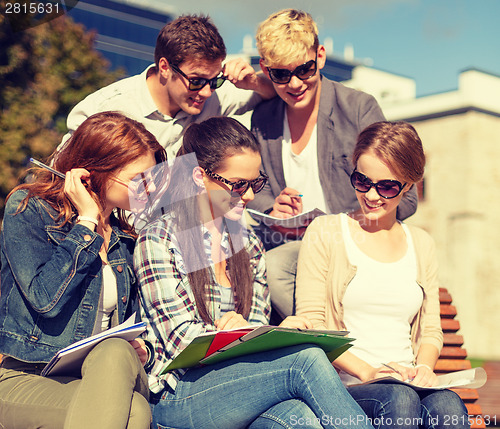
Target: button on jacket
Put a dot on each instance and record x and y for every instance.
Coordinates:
(51, 280)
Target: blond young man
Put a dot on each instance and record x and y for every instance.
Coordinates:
(307, 136)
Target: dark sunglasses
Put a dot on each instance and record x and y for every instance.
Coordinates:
(385, 188)
(197, 83)
(303, 72)
(241, 186)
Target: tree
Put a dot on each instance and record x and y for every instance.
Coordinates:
(44, 72)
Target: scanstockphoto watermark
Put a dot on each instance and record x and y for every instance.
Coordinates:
(21, 15)
(354, 421)
(348, 421)
(357, 420)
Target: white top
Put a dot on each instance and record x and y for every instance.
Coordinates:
(227, 300)
(108, 299)
(131, 96)
(301, 171)
(379, 305)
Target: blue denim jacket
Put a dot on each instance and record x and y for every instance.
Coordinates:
(51, 280)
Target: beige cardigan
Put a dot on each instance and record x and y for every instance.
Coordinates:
(324, 273)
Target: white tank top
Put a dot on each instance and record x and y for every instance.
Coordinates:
(108, 299)
(379, 304)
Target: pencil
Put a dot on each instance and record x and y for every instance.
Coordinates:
(42, 165)
(391, 368)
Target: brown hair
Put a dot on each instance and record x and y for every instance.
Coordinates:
(212, 141)
(103, 144)
(397, 144)
(189, 37)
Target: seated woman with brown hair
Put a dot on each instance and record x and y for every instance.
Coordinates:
(370, 274)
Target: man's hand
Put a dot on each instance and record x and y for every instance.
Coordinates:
(287, 204)
(242, 75)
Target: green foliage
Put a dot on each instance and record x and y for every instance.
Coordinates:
(44, 72)
(476, 362)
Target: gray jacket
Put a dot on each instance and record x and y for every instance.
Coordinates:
(343, 114)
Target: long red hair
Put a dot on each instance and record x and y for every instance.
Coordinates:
(103, 144)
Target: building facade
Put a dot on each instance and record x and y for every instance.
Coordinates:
(126, 34)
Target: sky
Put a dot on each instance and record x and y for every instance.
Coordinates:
(430, 41)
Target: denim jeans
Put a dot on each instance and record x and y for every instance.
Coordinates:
(398, 406)
(293, 387)
(112, 393)
(281, 265)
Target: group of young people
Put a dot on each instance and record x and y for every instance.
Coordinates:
(72, 265)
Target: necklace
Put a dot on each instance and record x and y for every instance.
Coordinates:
(105, 232)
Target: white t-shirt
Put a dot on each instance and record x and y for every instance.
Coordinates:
(379, 304)
(108, 299)
(301, 171)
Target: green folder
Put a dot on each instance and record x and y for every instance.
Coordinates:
(192, 354)
(332, 344)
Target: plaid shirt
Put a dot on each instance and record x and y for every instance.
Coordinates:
(168, 304)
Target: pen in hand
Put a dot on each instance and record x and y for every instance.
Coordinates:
(394, 370)
(42, 165)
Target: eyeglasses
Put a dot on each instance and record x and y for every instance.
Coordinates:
(385, 188)
(197, 83)
(142, 183)
(241, 186)
(303, 72)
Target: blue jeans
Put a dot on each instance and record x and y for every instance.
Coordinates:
(281, 263)
(399, 406)
(292, 387)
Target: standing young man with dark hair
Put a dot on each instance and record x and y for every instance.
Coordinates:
(185, 84)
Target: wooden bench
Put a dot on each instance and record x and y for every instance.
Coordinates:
(454, 356)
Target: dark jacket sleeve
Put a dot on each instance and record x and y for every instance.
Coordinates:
(49, 266)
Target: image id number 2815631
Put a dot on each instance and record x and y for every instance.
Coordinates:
(31, 8)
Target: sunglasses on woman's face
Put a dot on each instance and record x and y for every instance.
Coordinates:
(303, 72)
(197, 83)
(241, 186)
(385, 188)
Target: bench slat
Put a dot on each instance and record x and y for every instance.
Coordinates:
(450, 325)
(449, 365)
(448, 311)
(467, 395)
(453, 339)
(450, 352)
(444, 297)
